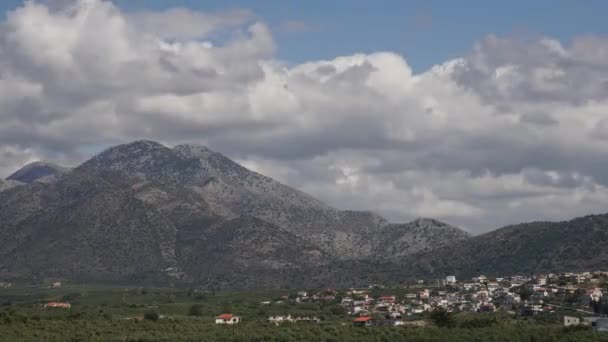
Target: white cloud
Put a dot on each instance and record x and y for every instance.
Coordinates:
(513, 131)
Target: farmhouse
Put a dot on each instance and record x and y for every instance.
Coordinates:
(363, 321)
(57, 305)
(227, 319)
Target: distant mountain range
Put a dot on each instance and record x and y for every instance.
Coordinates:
(146, 212)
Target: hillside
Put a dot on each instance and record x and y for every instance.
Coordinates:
(7, 184)
(536, 247)
(232, 191)
(146, 211)
(82, 227)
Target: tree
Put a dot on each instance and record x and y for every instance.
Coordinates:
(196, 310)
(524, 292)
(442, 318)
(151, 316)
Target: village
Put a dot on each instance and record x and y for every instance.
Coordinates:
(568, 299)
(575, 304)
(525, 296)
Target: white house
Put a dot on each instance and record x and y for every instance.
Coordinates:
(450, 279)
(227, 319)
(280, 319)
(569, 320)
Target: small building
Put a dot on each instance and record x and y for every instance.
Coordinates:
(60, 305)
(280, 319)
(387, 299)
(601, 325)
(310, 319)
(569, 320)
(363, 321)
(597, 323)
(450, 279)
(56, 285)
(227, 319)
(416, 323)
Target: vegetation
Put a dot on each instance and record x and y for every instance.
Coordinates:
(111, 313)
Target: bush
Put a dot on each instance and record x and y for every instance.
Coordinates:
(196, 310)
(151, 316)
(442, 318)
(71, 297)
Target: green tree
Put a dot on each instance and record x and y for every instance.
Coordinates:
(442, 318)
(196, 310)
(151, 316)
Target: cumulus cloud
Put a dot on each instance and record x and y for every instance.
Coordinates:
(513, 131)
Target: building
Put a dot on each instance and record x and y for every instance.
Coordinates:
(450, 279)
(601, 325)
(387, 299)
(569, 320)
(597, 323)
(56, 285)
(58, 305)
(363, 321)
(280, 319)
(227, 319)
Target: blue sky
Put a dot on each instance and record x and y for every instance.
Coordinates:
(425, 32)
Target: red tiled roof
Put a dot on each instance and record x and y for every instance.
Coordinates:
(224, 316)
(363, 319)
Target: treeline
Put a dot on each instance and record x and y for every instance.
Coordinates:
(17, 327)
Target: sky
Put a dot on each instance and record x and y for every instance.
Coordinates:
(482, 115)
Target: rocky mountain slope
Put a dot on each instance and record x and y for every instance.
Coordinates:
(420, 235)
(146, 211)
(232, 190)
(82, 227)
(575, 245)
(7, 184)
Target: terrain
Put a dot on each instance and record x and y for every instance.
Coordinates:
(527, 248)
(143, 211)
(146, 212)
(118, 313)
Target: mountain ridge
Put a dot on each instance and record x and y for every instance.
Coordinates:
(146, 211)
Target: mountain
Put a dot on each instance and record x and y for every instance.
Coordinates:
(82, 227)
(143, 211)
(7, 184)
(232, 190)
(37, 171)
(422, 234)
(146, 212)
(536, 247)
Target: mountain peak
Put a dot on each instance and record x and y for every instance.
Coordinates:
(141, 145)
(431, 223)
(192, 151)
(428, 222)
(37, 171)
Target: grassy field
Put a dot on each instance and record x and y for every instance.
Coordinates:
(113, 313)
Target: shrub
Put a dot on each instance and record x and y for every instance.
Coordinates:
(442, 318)
(151, 316)
(196, 310)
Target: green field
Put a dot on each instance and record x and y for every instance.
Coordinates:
(108, 313)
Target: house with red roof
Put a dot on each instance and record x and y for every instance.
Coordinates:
(58, 305)
(227, 319)
(363, 321)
